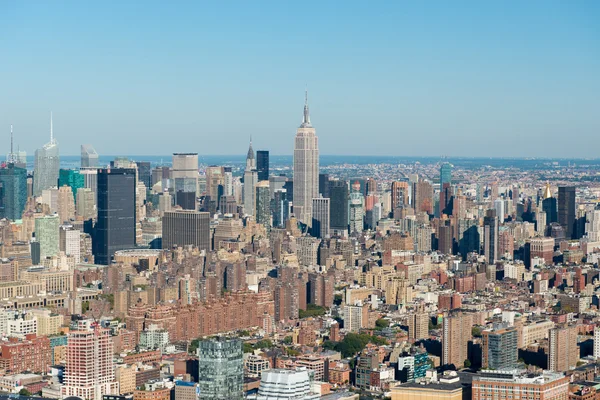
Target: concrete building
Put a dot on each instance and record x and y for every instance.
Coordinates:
(186, 227)
(70, 242)
(455, 340)
(519, 384)
(90, 370)
(286, 384)
(47, 234)
(418, 324)
(563, 352)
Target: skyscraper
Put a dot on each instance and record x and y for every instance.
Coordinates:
(220, 369)
(280, 208)
(338, 192)
(445, 174)
(566, 209)
(46, 233)
(145, 173)
(13, 191)
(262, 165)
(263, 204)
(90, 370)
(320, 218)
(490, 236)
(500, 348)
(72, 178)
(89, 157)
(250, 180)
(115, 228)
(399, 194)
(46, 165)
(356, 211)
(324, 185)
(563, 351)
(185, 172)
(455, 340)
(186, 227)
(306, 168)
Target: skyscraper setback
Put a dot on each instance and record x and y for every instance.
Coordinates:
(306, 168)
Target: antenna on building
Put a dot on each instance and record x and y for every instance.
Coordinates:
(51, 132)
(11, 157)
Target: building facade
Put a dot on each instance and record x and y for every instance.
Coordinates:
(306, 168)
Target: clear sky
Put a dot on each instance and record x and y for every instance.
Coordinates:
(456, 78)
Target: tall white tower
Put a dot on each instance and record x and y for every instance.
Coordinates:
(306, 168)
(250, 180)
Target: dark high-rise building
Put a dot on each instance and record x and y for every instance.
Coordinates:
(490, 236)
(550, 208)
(13, 191)
(262, 165)
(324, 185)
(566, 209)
(186, 200)
(338, 194)
(145, 173)
(186, 227)
(280, 207)
(115, 227)
(289, 188)
(446, 199)
(445, 239)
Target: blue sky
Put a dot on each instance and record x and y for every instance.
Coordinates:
(461, 78)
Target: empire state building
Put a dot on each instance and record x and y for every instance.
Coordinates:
(306, 168)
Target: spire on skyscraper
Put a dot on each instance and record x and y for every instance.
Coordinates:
(51, 131)
(250, 155)
(306, 117)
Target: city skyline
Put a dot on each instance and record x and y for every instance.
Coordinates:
(403, 80)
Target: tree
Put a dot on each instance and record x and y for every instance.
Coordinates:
(337, 299)
(193, 346)
(312, 310)
(85, 306)
(382, 323)
(467, 364)
(24, 392)
(476, 331)
(248, 348)
(263, 344)
(288, 340)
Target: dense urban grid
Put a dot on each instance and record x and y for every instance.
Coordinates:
(269, 280)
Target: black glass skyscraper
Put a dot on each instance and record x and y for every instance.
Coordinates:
(115, 228)
(549, 207)
(145, 173)
(262, 165)
(338, 193)
(566, 209)
(324, 185)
